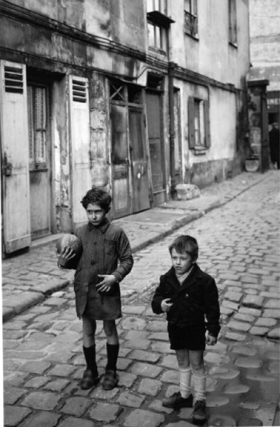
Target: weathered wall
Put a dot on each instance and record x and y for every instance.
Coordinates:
(265, 41)
(211, 54)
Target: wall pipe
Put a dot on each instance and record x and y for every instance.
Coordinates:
(171, 67)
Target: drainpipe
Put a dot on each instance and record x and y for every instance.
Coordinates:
(173, 190)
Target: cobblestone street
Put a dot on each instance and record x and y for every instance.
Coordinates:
(239, 246)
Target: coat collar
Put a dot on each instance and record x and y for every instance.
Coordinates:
(194, 275)
(103, 227)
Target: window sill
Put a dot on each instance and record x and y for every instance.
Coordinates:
(157, 50)
(192, 36)
(199, 151)
(234, 45)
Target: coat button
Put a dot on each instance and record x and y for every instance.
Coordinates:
(92, 262)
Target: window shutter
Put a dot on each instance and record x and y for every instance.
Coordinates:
(80, 145)
(191, 122)
(15, 156)
(207, 123)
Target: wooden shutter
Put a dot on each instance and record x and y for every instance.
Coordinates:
(207, 123)
(191, 122)
(15, 156)
(80, 145)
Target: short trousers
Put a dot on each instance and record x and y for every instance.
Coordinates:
(189, 337)
(103, 307)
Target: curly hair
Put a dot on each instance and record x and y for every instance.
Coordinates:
(97, 196)
(185, 243)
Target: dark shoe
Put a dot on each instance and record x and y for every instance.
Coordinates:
(110, 381)
(199, 413)
(88, 380)
(176, 401)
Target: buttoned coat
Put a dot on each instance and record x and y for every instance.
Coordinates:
(193, 300)
(106, 250)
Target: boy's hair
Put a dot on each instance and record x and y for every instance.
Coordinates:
(185, 243)
(97, 196)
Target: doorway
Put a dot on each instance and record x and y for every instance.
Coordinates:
(128, 150)
(39, 159)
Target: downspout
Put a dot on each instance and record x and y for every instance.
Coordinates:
(173, 191)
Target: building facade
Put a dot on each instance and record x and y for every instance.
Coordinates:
(132, 95)
(265, 51)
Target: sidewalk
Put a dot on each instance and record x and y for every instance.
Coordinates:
(29, 278)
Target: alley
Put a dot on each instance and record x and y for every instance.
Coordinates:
(239, 246)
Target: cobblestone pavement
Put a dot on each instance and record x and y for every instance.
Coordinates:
(42, 347)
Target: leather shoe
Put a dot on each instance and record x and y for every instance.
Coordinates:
(110, 381)
(88, 380)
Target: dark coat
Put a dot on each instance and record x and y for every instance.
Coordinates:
(196, 298)
(106, 250)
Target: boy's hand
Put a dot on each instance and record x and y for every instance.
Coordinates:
(107, 282)
(210, 340)
(65, 255)
(166, 304)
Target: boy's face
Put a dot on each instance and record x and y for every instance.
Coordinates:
(181, 262)
(95, 214)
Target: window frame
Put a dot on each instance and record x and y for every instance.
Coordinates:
(191, 18)
(199, 125)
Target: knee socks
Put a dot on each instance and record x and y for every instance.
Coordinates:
(112, 357)
(199, 387)
(185, 382)
(90, 357)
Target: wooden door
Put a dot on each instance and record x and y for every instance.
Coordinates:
(120, 161)
(140, 183)
(39, 160)
(153, 100)
(14, 153)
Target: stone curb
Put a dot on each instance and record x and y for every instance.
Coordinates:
(32, 298)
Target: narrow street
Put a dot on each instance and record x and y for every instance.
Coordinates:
(239, 246)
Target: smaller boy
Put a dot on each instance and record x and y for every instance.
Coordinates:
(187, 294)
(105, 261)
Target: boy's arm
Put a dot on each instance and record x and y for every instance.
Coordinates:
(212, 308)
(125, 257)
(157, 299)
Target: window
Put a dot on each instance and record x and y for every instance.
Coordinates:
(232, 22)
(199, 127)
(157, 37)
(190, 14)
(159, 5)
(37, 125)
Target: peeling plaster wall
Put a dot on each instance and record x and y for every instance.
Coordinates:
(99, 144)
(216, 163)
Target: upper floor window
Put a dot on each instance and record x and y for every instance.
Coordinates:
(199, 124)
(158, 24)
(159, 5)
(232, 22)
(190, 16)
(157, 36)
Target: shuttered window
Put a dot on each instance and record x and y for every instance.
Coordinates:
(198, 122)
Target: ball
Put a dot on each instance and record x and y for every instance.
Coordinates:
(73, 242)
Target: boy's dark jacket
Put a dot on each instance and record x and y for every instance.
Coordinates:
(196, 298)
